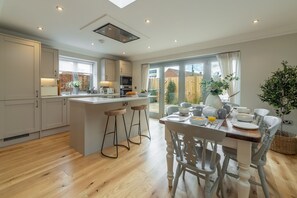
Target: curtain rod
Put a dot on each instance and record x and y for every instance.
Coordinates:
(229, 52)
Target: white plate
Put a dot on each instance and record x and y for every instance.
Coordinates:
(177, 118)
(245, 125)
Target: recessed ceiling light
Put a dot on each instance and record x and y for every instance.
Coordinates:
(121, 3)
(124, 52)
(255, 21)
(147, 21)
(175, 41)
(149, 47)
(40, 28)
(92, 44)
(59, 8)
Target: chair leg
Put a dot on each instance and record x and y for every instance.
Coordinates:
(207, 187)
(220, 186)
(126, 132)
(148, 126)
(131, 123)
(102, 145)
(263, 181)
(225, 166)
(177, 174)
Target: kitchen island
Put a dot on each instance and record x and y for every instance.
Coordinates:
(87, 121)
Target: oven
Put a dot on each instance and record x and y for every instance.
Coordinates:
(126, 81)
(124, 89)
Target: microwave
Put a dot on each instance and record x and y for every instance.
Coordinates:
(126, 80)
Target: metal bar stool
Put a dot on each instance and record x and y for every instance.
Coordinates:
(139, 109)
(115, 113)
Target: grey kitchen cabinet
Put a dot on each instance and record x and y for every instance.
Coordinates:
(19, 86)
(108, 70)
(125, 68)
(18, 117)
(54, 113)
(49, 64)
(19, 68)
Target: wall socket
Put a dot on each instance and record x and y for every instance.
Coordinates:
(287, 122)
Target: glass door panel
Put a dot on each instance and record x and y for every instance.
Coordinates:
(193, 78)
(154, 90)
(171, 82)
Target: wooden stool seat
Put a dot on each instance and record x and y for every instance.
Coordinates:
(139, 108)
(115, 112)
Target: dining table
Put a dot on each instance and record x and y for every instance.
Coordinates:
(240, 139)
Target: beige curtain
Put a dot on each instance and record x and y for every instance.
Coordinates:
(144, 76)
(230, 63)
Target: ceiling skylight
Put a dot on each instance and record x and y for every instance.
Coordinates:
(121, 3)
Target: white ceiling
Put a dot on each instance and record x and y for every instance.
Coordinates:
(190, 22)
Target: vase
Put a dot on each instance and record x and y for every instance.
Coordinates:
(75, 90)
(213, 101)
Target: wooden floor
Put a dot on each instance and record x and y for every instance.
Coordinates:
(49, 167)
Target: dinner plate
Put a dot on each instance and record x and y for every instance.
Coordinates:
(177, 118)
(245, 125)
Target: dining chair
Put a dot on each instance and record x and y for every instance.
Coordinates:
(195, 158)
(258, 118)
(172, 109)
(185, 104)
(258, 153)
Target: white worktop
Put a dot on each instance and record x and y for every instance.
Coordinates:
(100, 100)
(79, 95)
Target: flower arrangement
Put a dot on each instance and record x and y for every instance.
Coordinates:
(74, 83)
(217, 84)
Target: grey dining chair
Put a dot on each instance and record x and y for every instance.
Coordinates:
(196, 158)
(258, 118)
(185, 104)
(172, 109)
(258, 153)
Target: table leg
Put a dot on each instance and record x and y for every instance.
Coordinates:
(169, 157)
(244, 161)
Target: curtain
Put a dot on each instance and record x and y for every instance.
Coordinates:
(230, 63)
(144, 76)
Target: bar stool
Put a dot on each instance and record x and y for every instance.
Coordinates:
(139, 109)
(115, 113)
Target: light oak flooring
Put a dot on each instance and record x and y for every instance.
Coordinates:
(49, 167)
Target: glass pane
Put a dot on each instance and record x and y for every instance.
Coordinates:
(84, 68)
(215, 69)
(153, 89)
(193, 78)
(171, 85)
(66, 66)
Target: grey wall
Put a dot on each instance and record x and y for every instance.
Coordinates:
(258, 59)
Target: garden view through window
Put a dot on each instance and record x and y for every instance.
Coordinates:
(171, 83)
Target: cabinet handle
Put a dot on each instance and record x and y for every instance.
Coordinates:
(36, 104)
(36, 93)
(64, 101)
(55, 73)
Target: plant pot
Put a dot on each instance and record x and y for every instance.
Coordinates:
(75, 90)
(213, 101)
(284, 144)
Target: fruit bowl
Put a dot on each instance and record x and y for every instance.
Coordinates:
(145, 94)
(198, 120)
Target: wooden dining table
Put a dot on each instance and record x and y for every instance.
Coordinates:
(240, 139)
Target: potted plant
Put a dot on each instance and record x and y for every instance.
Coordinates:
(215, 87)
(280, 91)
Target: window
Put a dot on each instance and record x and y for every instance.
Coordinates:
(72, 69)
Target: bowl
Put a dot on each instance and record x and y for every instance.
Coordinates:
(245, 117)
(243, 110)
(143, 94)
(198, 120)
(183, 110)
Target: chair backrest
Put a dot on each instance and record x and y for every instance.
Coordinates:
(184, 138)
(185, 104)
(258, 118)
(272, 123)
(171, 109)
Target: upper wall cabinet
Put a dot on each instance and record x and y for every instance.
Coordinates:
(125, 68)
(49, 63)
(19, 68)
(107, 70)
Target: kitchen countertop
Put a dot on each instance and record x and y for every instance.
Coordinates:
(100, 100)
(80, 95)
